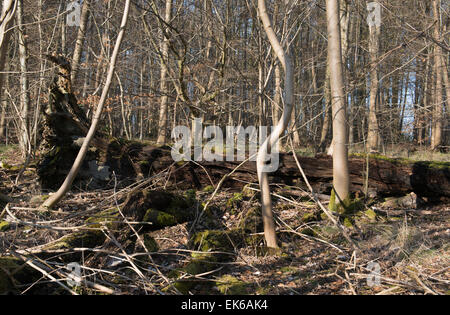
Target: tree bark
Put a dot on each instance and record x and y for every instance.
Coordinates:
(6, 20)
(163, 110)
(24, 137)
(266, 202)
(438, 106)
(340, 148)
(80, 40)
(373, 126)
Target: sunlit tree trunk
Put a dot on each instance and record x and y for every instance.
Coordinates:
(373, 127)
(266, 202)
(327, 111)
(24, 137)
(340, 149)
(438, 104)
(6, 20)
(163, 110)
(80, 40)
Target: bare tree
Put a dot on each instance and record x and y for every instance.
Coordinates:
(266, 201)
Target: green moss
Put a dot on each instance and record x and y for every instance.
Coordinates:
(4, 226)
(348, 222)
(235, 201)
(289, 269)
(371, 214)
(190, 196)
(398, 161)
(150, 243)
(144, 163)
(216, 241)
(311, 217)
(208, 189)
(254, 240)
(404, 161)
(248, 192)
(159, 219)
(252, 221)
(230, 285)
(346, 207)
(7, 267)
(88, 239)
(438, 165)
(106, 217)
(308, 231)
(195, 267)
(262, 251)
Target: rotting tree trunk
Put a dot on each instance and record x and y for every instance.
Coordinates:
(65, 187)
(387, 177)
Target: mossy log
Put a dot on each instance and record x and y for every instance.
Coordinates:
(159, 208)
(387, 177)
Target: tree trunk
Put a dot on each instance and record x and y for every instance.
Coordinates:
(4, 107)
(266, 202)
(24, 137)
(80, 40)
(327, 111)
(373, 126)
(6, 19)
(340, 148)
(163, 110)
(438, 106)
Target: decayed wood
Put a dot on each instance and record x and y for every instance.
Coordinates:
(386, 177)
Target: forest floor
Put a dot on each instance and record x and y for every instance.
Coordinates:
(402, 250)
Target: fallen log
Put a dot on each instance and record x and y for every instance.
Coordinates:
(65, 125)
(387, 177)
